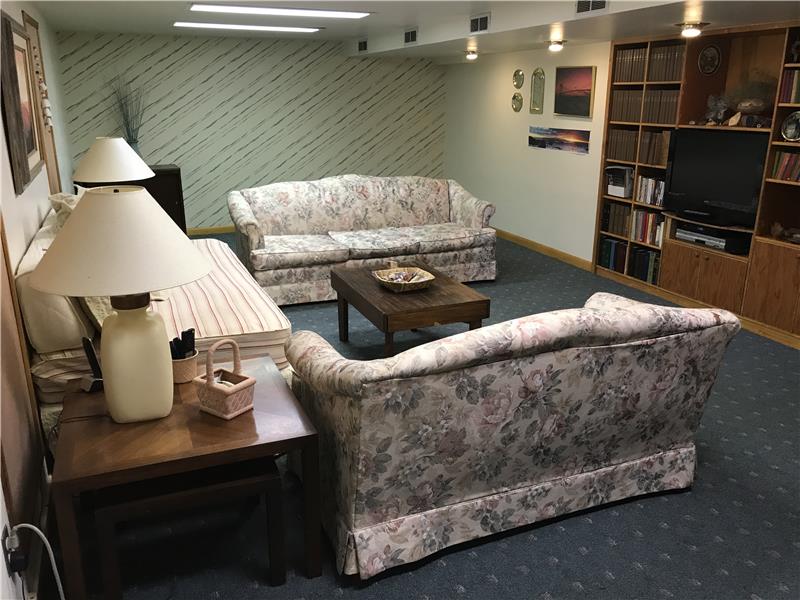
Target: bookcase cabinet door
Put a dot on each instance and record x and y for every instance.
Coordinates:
(721, 281)
(680, 269)
(773, 286)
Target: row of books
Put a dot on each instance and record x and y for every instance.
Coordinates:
(666, 63)
(786, 166)
(790, 86)
(616, 218)
(622, 144)
(626, 105)
(648, 227)
(643, 264)
(660, 106)
(629, 64)
(650, 190)
(654, 147)
(612, 254)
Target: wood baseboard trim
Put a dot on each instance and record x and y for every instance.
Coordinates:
(210, 230)
(776, 335)
(570, 259)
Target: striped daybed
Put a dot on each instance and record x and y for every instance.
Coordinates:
(227, 303)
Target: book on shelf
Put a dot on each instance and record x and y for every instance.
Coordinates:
(629, 64)
(626, 105)
(648, 227)
(644, 264)
(619, 181)
(666, 63)
(622, 144)
(660, 106)
(786, 166)
(790, 87)
(612, 254)
(650, 190)
(654, 147)
(615, 219)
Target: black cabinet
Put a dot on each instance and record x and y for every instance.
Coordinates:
(165, 187)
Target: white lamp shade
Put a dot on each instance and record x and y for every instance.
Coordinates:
(118, 241)
(111, 159)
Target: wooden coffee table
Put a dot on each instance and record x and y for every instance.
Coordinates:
(444, 301)
(95, 453)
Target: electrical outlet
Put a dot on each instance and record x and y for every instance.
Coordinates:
(6, 551)
(16, 560)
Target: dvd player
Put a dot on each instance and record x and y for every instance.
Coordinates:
(734, 242)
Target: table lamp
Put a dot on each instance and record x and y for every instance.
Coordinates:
(119, 242)
(109, 160)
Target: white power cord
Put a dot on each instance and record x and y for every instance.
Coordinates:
(13, 544)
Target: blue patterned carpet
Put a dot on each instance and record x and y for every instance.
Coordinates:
(734, 536)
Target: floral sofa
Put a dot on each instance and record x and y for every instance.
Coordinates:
(292, 233)
(506, 425)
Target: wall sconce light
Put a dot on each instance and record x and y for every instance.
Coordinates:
(471, 55)
(556, 45)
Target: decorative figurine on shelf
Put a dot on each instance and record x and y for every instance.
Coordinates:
(791, 234)
(717, 109)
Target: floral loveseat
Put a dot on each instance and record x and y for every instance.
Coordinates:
(506, 425)
(292, 233)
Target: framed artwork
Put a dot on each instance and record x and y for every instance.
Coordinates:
(574, 91)
(20, 107)
(566, 140)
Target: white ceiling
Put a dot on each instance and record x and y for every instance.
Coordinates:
(516, 25)
(157, 17)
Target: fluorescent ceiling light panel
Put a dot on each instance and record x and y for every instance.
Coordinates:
(278, 12)
(246, 27)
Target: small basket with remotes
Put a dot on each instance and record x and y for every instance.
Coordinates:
(403, 279)
(223, 393)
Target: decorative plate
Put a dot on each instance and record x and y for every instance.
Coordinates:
(516, 102)
(518, 78)
(708, 60)
(790, 129)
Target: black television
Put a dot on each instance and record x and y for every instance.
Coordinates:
(714, 176)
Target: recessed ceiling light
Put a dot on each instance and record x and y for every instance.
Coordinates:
(278, 12)
(556, 45)
(691, 30)
(471, 55)
(246, 27)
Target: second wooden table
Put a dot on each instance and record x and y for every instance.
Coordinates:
(445, 301)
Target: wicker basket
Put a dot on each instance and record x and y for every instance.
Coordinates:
(184, 370)
(224, 393)
(421, 279)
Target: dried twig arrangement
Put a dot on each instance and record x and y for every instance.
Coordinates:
(131, 106)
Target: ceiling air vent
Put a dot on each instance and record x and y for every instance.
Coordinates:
(479, 23)
(410, 36)
(362, 45)
(583, 6)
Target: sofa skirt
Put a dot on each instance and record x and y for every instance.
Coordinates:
(313, 283)
(370, 550)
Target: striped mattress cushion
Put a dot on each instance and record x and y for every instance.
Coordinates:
(226, 303)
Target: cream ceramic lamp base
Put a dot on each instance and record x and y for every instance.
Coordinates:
(137, 367)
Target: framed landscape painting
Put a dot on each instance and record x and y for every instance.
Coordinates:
(19, 104)
(574, 91)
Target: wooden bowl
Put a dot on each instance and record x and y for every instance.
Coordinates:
(417, 279)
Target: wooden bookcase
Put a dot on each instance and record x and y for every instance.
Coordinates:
(763, 286)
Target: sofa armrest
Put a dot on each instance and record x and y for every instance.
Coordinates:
(466, 209)
(606, 300)
(244, 219)
(320, 366)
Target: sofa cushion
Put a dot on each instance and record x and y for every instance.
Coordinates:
(284, 251)
(376, 243)
(446, 237)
